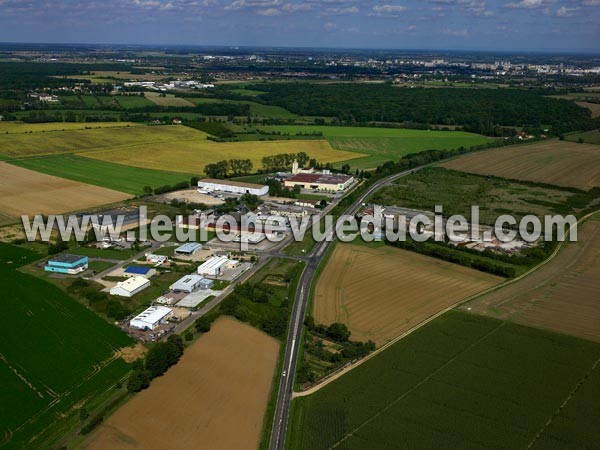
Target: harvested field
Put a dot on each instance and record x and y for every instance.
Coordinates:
(379, 293)
(560, 163)
(23, 191)
(214, 398)
(166, 99)
(593, 107)
(21, 127)
(562, 296)
(192, 155)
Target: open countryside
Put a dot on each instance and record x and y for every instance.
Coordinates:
(55, 357)
(101, 173)
(215, 397)
(383, 144)
(458, 374)
(554, 162)
(183, 155)
(562, 296)
(23, 191)
(355, 289)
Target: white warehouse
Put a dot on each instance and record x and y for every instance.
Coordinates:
(235, 187)
(130, 287)
(189, 283)
(151, 318)
(213, 266)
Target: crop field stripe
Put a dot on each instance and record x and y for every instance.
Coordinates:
(417, 385)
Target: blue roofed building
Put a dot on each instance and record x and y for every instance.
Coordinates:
(139, 271)
(67, 263)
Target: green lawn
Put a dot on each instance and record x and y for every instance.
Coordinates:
(383, 144)
(54, 354)
(100, 173)
(105, 253)
(589, 137)
(462, 381)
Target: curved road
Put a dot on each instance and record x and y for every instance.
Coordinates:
(286, 385)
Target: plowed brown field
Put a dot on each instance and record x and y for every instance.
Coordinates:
(561, 163)
(24, 191)
(214, 398)
(562, 296)
(379, 293)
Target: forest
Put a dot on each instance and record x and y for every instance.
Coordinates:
(478, 110)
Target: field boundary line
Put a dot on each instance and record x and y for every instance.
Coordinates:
(420, 383)
(335, 375)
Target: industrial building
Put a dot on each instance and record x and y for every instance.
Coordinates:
(151, 318)
(66, 263)
(188, 249)
(141, 271)
(188, 283)
(130, 287)
(213, 266)
(235, 187)
(319, 181)
(156, 259)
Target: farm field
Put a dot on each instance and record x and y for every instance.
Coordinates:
(122, 178)
(461, 381)
(23, 191)
(593, 107)
(215, 397)
(22, 127)
(562, 296)
(167, 100)
(186, 155)
(132, 138)
(458, 191)
(133, 101)
(385, 306)
(589, 137)
(55, 357)
(554, 162)
(384, 144)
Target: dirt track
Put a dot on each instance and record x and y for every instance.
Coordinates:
(380, 293)
(24, 191)
(562, 296)
(214, 398)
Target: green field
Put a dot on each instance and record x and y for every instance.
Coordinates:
(384, 144)
(133, 101)
(100, 173)
(55, 357)
(21, 145)
(456, 192)
(462, 381)
(589, 137)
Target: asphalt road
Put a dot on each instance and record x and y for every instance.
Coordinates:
(286, 385)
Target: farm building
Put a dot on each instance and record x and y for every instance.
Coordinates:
(66, 263)
(235, 187)
(130, 287)
(188, 283)
(319, 181)
(188, 249)
(151, 318)
(213, 266)
(134, 271)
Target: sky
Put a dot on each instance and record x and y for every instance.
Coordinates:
(509, 25)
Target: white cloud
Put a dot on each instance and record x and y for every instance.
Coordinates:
(339, 11)
(526, 4)
(239, 4)
(563, 11)
(268, 12)
(387, 10)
